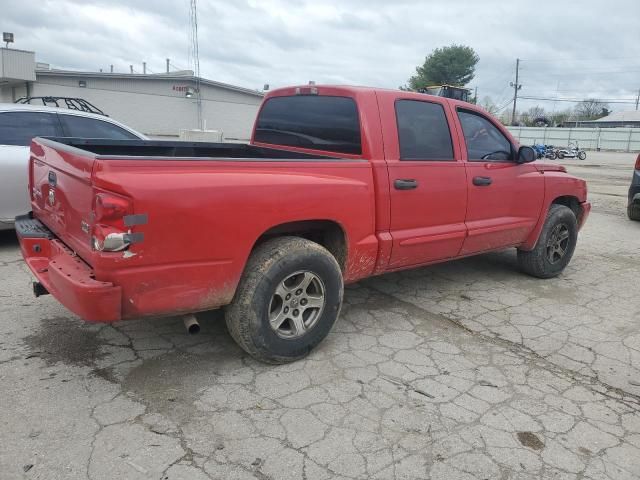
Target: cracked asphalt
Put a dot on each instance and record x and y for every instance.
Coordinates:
(465, 370)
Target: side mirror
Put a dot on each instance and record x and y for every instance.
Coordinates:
(526, 154)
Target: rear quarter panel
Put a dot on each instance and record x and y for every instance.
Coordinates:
(204, 218)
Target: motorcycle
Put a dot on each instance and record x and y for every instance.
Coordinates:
(550, 152)
(539, 149)
(546, 151)
(572, 151)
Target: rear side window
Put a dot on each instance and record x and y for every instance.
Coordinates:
(311, 121)
(423, 131)
(18, 128)
(83, 127)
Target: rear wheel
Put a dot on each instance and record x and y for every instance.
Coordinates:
(560, 155)
(288, 299)
(555, 246)
(582, 155)
(633, 211)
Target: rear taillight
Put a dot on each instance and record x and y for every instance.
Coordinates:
(110, 232)
(638, 162)
(110, 208)
(106, 239)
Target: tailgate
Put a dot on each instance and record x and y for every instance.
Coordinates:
(62, 193)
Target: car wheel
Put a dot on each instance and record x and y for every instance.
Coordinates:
(633, 211)
(555, 246)
(582, 155)
(287, 300)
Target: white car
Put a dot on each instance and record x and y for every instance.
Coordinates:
(19, 123)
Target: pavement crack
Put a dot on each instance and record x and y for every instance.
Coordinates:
(588, 381)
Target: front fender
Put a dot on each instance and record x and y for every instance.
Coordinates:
(559, 185)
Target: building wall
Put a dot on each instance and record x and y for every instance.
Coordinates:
(154, 107)
(16, 65)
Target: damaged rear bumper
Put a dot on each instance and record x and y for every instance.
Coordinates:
(66, 276)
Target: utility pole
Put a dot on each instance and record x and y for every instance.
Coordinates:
(475, 96)
(516, 86)
(638, 99)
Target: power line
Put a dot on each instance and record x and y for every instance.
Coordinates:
(552, 60)
(516, 86)
(193, 18)
(577, 100)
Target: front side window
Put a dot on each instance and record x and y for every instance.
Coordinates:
(423, 131)
(18, 128)
(317, 122)
(83, 127)
(484, 141)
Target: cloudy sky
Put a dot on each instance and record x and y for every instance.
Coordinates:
(569, 49)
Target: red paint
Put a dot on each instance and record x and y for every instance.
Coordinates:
(204, 217)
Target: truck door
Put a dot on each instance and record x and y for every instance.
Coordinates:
(505, 197)
(427, 182)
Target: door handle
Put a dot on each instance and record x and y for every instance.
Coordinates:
(482, 181)
(405, 184)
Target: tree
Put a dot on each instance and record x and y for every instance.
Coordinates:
(489, 105)
(591, 109)
(558, 118)
(453, 65)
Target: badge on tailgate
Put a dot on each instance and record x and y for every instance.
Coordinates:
(53, 181)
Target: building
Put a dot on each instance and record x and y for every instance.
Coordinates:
(628, 119)
(157, 105)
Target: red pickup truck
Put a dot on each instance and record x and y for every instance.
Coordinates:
(337, 184)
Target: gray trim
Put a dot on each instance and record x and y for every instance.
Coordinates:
(135, 219)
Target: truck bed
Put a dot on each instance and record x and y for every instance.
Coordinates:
(193, 211)
(105, 149)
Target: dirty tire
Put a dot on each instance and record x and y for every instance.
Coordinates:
(270, 264)
(633, 211)
(537, 262)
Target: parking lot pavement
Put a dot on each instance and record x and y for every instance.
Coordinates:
(463, 370)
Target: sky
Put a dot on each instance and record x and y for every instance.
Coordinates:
(568, 49)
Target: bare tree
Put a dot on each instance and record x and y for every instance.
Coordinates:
(489, 105)
(591, 109)
(537, 117)
(558, 118)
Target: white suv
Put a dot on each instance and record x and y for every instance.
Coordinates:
(19, 123)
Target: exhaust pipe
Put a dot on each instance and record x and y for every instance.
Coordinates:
(191, 324)
(39, 289)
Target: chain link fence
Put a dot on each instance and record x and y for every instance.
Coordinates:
(619, 139)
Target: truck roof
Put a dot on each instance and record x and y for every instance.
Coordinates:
(357, 89)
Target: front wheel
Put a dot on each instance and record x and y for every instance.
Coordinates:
(582, 155)
(560, 155)
(555, 246)
(288, 299)
(633, 211)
